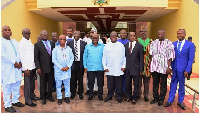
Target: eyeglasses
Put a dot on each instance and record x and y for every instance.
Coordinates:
(45, 34)
(7, 30)
(62, 39)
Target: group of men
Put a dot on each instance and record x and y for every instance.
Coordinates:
(63, 62)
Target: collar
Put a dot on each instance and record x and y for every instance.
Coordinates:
(182, 41)
(26, 39)
(61, 47)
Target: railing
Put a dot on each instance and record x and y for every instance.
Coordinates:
(194, 102)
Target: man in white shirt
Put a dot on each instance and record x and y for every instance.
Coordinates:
(26, 51)
(114, 62)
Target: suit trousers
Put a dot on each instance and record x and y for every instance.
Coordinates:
(29, 86)
(44, 79)
(77, 76)
(128, 81)
(115, 82)
(159, 78)
(146, 80)
(177, 77)
(91, 75)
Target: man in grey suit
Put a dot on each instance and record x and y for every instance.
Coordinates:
(43, 62)
(77, 68)
(134, 66)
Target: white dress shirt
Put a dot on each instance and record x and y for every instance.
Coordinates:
(26, 52)
(133, 45)
(182, 43)
(78, 45)
(69, 38)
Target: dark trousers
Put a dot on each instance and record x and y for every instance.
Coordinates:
(161, 79)
(100, 81)
(44, 79)
(128, 90)
(29, 86)
(112, 83)
(146, 80)
(77, 75)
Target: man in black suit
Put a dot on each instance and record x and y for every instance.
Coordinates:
(77, 68)
(134, 66)
(44, 66)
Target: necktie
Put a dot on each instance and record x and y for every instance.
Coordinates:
(179, 47)
(76, 51)
(48, 48)
(130, 48)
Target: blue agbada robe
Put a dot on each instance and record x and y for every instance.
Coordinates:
(9, 55)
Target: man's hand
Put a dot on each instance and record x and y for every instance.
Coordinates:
(19, 65)
(168, 71)
(27, 72)
(186, 74)
(106, 70)
(66, 68)
(122, 69)
(85, 70)
(63, 69)
(39, 71)
(16, 65)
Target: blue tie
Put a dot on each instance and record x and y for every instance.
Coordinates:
(179, 47)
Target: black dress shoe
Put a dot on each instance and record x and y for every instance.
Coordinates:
(95, 92)
(119, 100)
(36, 98)
(100, 98)
(59, 101)
(10, 109)
(133, 102)
(43, 102)
(160, 103)
(107, 99)
(167, 104)
(128, 100)
(87, 92)
(31, 105)
(181, 105)
(146, 99)
(81, 97)
(90, 97)
(154, 101)
(67, 100)
(18, 104)
(72, 96)
(51, 99)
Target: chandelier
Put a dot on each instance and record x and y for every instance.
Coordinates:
(100, 2)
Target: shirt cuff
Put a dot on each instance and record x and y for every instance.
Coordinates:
(123, 66)
(105, 67)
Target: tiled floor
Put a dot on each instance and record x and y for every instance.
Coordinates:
(96, 106)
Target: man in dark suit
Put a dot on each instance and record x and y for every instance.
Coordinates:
(44, 66)
(134, 66)
(181, 67)
(77, 47)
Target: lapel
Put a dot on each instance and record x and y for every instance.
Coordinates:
(135, 48)
(72, 44)
(127, 48)
(184, 46)
(43, 46)
(175, 47)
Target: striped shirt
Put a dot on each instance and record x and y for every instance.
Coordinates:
(161, 52)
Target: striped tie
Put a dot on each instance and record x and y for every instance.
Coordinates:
(179, 47)
(76, 51)
(48, 48)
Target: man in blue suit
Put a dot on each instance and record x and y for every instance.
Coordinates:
(181, 66)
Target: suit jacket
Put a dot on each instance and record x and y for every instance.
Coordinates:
(135, 60)
(82, 48)
(42, 58)
(183, 61)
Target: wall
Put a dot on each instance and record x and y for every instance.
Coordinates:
(186, 17)
(18, 17)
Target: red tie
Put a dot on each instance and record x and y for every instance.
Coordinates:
(130, 48)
